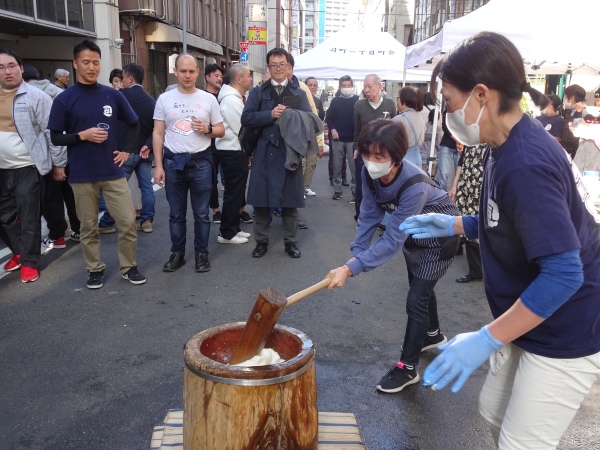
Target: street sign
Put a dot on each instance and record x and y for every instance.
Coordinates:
(244, 57)
(258, 12)
(244, 46)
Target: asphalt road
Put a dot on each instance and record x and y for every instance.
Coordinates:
(83, 369)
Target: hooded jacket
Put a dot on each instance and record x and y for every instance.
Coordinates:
(232, 106)
(45, 86)
(31, 110)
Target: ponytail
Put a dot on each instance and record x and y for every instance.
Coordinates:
(539, 99)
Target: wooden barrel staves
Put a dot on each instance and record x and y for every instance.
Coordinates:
(249, 408)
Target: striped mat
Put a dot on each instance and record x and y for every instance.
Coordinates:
(337, 431)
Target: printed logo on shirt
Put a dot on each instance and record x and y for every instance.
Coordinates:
(183, 126)
(107, 110)
(493, 213)
(548, 127)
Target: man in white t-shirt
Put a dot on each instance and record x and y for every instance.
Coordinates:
(185, 120)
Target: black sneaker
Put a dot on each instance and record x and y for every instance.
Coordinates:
(352, 199)
(134, 276)
(397, 379)
(434, 341)
(202, 264)
(337, 196)
(95, 280)
(245, 217)
(345, 183)
(217, 217)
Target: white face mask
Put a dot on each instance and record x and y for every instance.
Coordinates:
(465, 134)
(378, 170)
(347, 92)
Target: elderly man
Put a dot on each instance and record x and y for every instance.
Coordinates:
(26, 154)
(271, 184)
(373, 106)
(61, 78)
(233, 160)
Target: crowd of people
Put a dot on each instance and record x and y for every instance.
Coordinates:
(535, 243)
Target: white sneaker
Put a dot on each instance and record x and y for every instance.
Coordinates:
(234, 240)
(310, 192)
(244, 234)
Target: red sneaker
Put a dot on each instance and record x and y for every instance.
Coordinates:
(29, 274)
(13, 264)
(55, 243)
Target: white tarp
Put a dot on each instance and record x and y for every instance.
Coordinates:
(525, 23)
(356, 54)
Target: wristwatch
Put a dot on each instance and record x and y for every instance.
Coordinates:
(209, 129)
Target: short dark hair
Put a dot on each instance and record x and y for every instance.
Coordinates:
(30, 72)
(428, 99)
(346, 78)
(291, 60)
(575, 91)
(411, 97)
(86, 45)
(309, 78)
(211, 68)
(115, 73)
(278, 51)
(490, 59)
(383, 136)
(556, 102)
(135, 71)
(9, 52)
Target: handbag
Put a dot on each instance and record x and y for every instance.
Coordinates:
(248, 136)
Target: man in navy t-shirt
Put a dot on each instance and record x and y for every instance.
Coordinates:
(86, 121)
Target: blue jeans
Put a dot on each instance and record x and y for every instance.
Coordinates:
(446, 167)
(143, 171)
(196, 178)
(421, 308)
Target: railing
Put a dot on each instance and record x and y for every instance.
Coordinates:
(128, 58)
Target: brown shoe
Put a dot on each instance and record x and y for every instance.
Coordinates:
(145, 226)
(106, 230)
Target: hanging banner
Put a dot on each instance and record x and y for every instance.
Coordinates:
(257, 35)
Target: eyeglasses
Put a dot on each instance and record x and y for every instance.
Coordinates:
(9, 68)
(278, 66)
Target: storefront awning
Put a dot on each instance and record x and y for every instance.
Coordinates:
(161, 32)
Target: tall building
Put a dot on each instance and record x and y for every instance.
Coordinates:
(399, 19)
(312, 23)
(338, 14)
(430, 15)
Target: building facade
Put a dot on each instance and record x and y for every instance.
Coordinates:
(430, 15)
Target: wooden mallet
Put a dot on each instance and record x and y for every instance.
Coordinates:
(263, 318)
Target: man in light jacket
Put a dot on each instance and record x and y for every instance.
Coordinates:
(26, 154)
(233, 160)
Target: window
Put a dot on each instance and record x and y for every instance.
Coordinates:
(24, 7)
(52, 11)
(81, 14)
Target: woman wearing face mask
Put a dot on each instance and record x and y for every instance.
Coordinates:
(551, 119)
(539, 244)
(574, 104)
(396, 186)
(409, 103)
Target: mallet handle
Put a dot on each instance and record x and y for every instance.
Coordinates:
(308, 291)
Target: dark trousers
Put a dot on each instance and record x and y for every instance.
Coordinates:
(262, 222)
(196, 178)
(214, 194)
(359, 164)
(20, 199)
(56, 195)
(474, 259)
(235, 169)
(421, 308)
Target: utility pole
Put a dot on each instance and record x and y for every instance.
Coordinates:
(184, 24)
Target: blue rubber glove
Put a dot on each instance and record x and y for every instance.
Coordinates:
(430, 225)
(460, 357)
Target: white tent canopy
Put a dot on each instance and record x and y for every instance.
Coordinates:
(525, 23)
(356, 54)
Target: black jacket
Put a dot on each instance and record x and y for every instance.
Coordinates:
(143, 105)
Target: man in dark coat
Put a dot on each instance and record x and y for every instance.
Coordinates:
(140, 160)
(271, 185)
